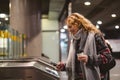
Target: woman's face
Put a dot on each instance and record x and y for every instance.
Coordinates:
(73, 26)
(73, 29)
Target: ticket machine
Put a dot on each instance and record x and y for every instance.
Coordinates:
(27, 69)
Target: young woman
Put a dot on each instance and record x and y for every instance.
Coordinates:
(88, 50)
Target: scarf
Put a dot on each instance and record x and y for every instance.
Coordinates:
(77, 35)
(70, 63)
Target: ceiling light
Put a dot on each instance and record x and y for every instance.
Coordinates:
(6, 19)
(2, 15)
(87, 3)
(99, 22)
(113, 15)
(62, 30)
(10, 5)
(117, 27)
(65, 27)
(97, 26)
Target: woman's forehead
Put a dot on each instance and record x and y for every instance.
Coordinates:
(70, 20)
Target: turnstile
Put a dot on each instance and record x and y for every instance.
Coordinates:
(32, 69)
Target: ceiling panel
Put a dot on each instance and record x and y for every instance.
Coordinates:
(4, 6)
(78, 6)
(98, 10)
(55, 9)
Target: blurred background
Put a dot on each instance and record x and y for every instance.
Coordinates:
(37, 29)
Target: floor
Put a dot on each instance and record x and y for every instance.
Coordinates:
(115, 72)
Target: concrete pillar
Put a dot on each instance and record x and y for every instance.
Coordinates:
(25, 18)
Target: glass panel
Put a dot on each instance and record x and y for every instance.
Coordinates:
(50, 45)
(12, 43)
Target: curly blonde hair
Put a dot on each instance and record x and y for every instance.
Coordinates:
(81, 22)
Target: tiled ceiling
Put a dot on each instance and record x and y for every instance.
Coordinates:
(55, 8)
(101, 10)
(4, 6)
(98, 10)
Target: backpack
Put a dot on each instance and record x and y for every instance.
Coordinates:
(104, 68)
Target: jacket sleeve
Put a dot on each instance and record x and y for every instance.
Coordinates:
(103, 52)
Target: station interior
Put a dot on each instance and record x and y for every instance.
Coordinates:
(34, 35)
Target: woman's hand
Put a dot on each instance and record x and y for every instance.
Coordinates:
(82, 57)
(60, 66)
